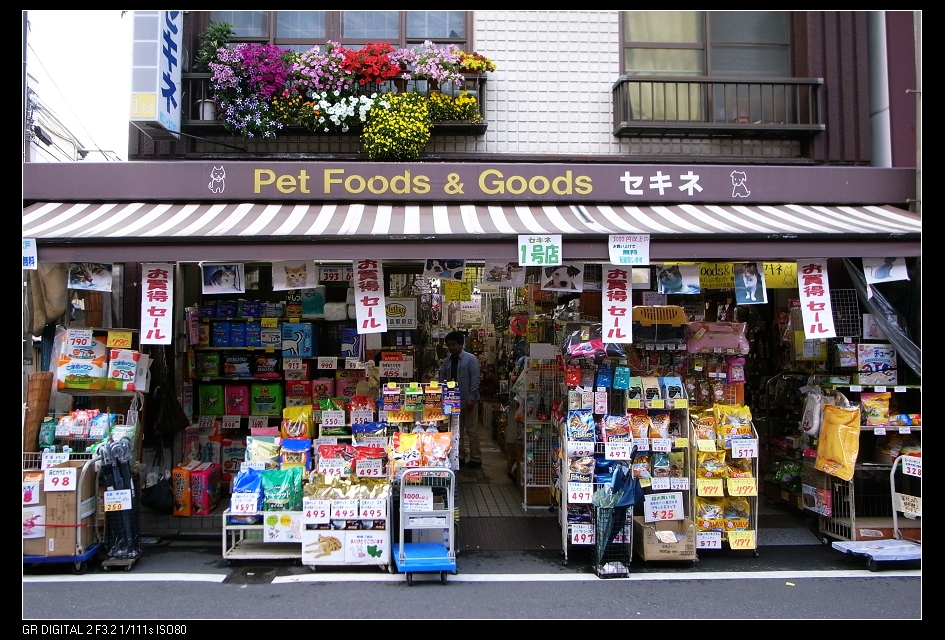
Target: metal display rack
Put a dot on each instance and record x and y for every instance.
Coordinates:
(541, 392)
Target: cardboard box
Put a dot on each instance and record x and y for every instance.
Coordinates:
(648, 546)
(204, 488)
(183, 489)
(34, 514)
(76, 512)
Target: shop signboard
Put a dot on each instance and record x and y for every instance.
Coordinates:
(156, 89)
(543, 250)
(369, 300)
(402, 313)
(813, 288)
(157, 303)
(780, 275)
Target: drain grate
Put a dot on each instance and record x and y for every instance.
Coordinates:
(253, 575)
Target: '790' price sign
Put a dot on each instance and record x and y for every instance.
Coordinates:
(580, 492)
(582, 534)
(663, 506)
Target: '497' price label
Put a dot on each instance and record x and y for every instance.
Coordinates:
(709, 487)
(741, 539)
(580, 492)
(742, 487)
(316, 511)
(617, 450)
(344, 509)
(582, 534)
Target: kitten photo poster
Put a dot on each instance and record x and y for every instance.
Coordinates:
(294, 274)
(750, 283)
(90, 276)
(223, 278)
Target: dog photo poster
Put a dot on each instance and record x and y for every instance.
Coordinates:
(750, 283)
(504, 274)
(223, 278)
(567, 276)
(448, 269)
(294, 274)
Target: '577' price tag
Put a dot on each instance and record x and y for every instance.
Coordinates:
(709, 539)
(747, 448)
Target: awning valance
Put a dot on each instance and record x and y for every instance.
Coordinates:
(165, 231)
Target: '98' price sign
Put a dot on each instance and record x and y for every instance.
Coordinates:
(61, 479)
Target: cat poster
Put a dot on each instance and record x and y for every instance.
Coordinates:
(504, 274)
(90, 276)
(878, 270)
(678, 278)
(567, 276)
(294, 274)
(750, 283)
(223, 278)
(449, 269)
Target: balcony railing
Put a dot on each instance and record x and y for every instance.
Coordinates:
(197, 91)
(673, 106)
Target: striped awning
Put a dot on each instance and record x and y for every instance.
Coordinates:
(324, 221)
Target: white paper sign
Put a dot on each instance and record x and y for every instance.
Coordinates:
(912, 466)
(59, 479)
(157, 304)
(258, 422)
(333, 418)
(375, 508)
(582, 533)
(354, 363)
(577, 449)
(813, 288)
(630, 250)
(660, 484)
(617, 450)
(708, 539)
(663, 506)
(369, 301)
(580, 492)
(117, 500)
(316, 511)
(244, 502)
(53, 459)
(371, 468)
(616, 304)
(661, 444)
(417, 498)
(344, 509)
(331, 467)
(326, 363)
(230, 422)
(362, 416)
(744, 448)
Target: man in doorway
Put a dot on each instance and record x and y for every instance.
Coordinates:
(463, 367)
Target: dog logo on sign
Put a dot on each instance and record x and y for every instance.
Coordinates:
(739, 188)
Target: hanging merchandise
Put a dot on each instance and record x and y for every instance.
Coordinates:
(839, 441)
(121, 524)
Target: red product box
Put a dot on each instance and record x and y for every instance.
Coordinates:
(298, 388)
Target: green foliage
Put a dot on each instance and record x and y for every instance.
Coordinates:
(216, 36)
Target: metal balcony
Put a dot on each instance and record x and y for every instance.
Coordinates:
(197, 91)
(677, 106)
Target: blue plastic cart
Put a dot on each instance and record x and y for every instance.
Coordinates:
(426, 517)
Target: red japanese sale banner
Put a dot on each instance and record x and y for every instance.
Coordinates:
(813, 288)
(157, 303)
(369, 301)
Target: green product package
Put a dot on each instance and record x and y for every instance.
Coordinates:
(266, 399)
(211, 400)
(282, 489)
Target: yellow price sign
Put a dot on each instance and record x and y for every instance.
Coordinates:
(113, 506)
(657, 403)
(269, 323)
(118, 340)
(742, 487)
(681, 403)
(400, 416)
(741, 539)
(709, 487)
(706, 445)
(681, 443)
(633, 403)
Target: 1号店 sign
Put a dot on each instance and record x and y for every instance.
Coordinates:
(539, 250)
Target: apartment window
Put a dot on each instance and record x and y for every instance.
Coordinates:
(301, 30)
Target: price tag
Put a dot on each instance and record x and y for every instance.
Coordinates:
(63, 479)
(373, 441)
(709, 539)
(417, 498)
(244, 502)
(580, 492)
(660, 484)
(117, 500)
(354, 363)
(741, 539)
(52, 459)
(905, 430)
(258, 422)
(255, 465)
(657, 403)
(79, 338)
(582, 534)
(230, 422)
(324, 440)
(633, 403)
(912, 466)
(681, 443)
(706, 445)
(742, 487)
(745, 448)
(679, 484)
(879, 388)
(578, 449)
(617, 450)
(331, 467)
(899, 389)
(661, 444)
(118, 340)
(362, 416)
(391, 369)
(269, 323)
(879, 431)
(316, 511)
(375, 508)
(333, 418)
(206, 422)
(293, 364)
(327, 363)
(709, 487)
(587, 399)
(680, 403)
(663, 506)
(600, 402)
(64, 427)
(344, 509)
(370, 468)
(856, 387)
(642, 444)
(911, 506)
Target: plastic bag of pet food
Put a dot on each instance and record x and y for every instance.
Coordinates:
(295, 453)
(839, 441)
(659, 425)
(406, 450)
(875, 408)
(282, 489)
(813, 410)
(711, 464)
(581, 425)
(248, 480)
(639, 423)
(298, 422)
(263, 449)
(616, 428)
(435, 449)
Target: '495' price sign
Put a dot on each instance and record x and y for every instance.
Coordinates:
(316, 510)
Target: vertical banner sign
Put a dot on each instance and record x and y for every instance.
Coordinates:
(814, 292)
(157, 303)
(29, 254)
(632, 250)
(156, 89)
(542, 251)
(369, 300)
(617, 313)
